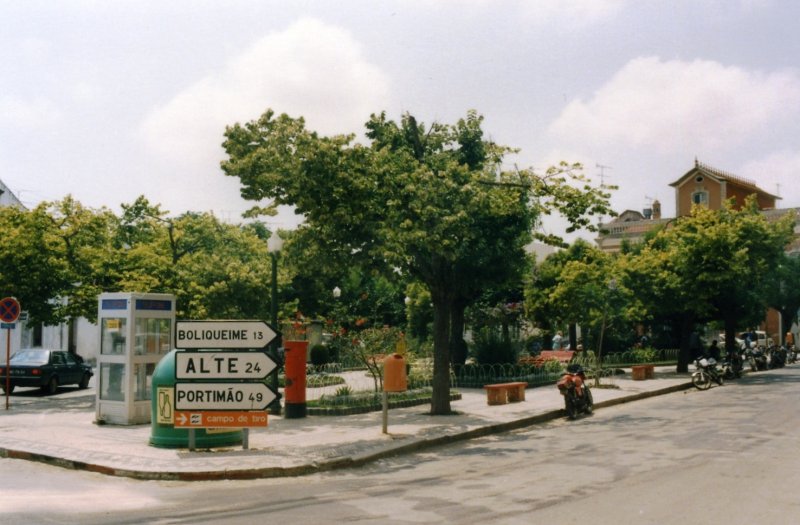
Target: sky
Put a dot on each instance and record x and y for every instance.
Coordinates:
(110, 100)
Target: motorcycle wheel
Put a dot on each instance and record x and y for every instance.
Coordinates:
(701, 381)
(570, 406)
(589, 408)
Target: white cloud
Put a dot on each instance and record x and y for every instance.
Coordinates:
(680, 106)
(777, 173)
(574, 13)
(564, 13)
(311, 69)
(32, 114)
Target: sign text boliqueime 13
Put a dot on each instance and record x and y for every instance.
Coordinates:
(223, 334)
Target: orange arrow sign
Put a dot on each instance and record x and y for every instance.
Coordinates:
(220, 419)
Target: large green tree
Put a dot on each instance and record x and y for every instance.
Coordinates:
(216, 270)
(32, 266)
(430, 202)
(784, 290)
(711, 265)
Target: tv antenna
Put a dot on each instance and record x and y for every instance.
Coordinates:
(603, 172)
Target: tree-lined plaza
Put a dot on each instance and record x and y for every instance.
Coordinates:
(423, 228)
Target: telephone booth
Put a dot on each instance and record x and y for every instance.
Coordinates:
(135, 333)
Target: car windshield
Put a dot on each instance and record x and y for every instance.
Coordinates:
(30, 357)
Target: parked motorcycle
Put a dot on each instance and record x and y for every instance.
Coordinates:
(791, 354)
(732, 366)
(757, 358)
(706, 371)
(577, 395)
(777, 357)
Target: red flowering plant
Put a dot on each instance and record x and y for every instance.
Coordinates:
(295, 329)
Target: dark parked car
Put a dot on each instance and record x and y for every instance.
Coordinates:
(46, 369)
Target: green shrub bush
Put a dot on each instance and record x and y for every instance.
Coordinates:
(319, 355)
(489, 348)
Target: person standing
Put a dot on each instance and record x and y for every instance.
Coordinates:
(713, 350)
(558, 340)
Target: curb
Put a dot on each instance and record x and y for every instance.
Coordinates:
(334, 464)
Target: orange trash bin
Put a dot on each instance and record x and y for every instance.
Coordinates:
(395, 378)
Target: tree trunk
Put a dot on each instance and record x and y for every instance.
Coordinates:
(685, 353)
(458, 347)
(442, 311)
(730, 335)
(573, 336)
(786, 325)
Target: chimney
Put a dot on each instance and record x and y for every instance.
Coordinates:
(656, 210)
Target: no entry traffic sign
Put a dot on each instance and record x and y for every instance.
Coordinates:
(9, 310)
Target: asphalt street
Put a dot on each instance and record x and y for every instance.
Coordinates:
(726, 455)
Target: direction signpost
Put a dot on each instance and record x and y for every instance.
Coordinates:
(220, 370)
(223, 396)
(217, 419)
(223, 334)
(223, 365)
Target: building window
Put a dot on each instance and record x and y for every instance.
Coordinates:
(700, 197)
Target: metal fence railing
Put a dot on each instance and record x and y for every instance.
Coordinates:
(326, 380)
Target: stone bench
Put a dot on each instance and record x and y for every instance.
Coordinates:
(642, 372)
(502, 393)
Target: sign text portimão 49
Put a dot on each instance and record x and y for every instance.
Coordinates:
(223, 396)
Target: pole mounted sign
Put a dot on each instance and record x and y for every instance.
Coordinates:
(223, 396)
(222, 334)
(216, 419)
(9, 310)
(229, 364)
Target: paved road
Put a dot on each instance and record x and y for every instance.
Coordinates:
(728, 455)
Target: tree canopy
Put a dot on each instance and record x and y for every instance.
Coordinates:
(431, 202)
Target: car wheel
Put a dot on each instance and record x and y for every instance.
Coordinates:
(84, 381)
(51, 387)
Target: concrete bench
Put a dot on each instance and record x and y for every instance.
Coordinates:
(502, 393)
(642, 372)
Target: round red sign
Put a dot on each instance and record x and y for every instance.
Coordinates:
(9, 310)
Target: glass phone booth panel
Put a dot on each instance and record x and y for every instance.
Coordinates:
(135, 333)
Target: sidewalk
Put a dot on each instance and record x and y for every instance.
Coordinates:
(64, 434)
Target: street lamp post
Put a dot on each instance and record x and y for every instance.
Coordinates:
(274, 245)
